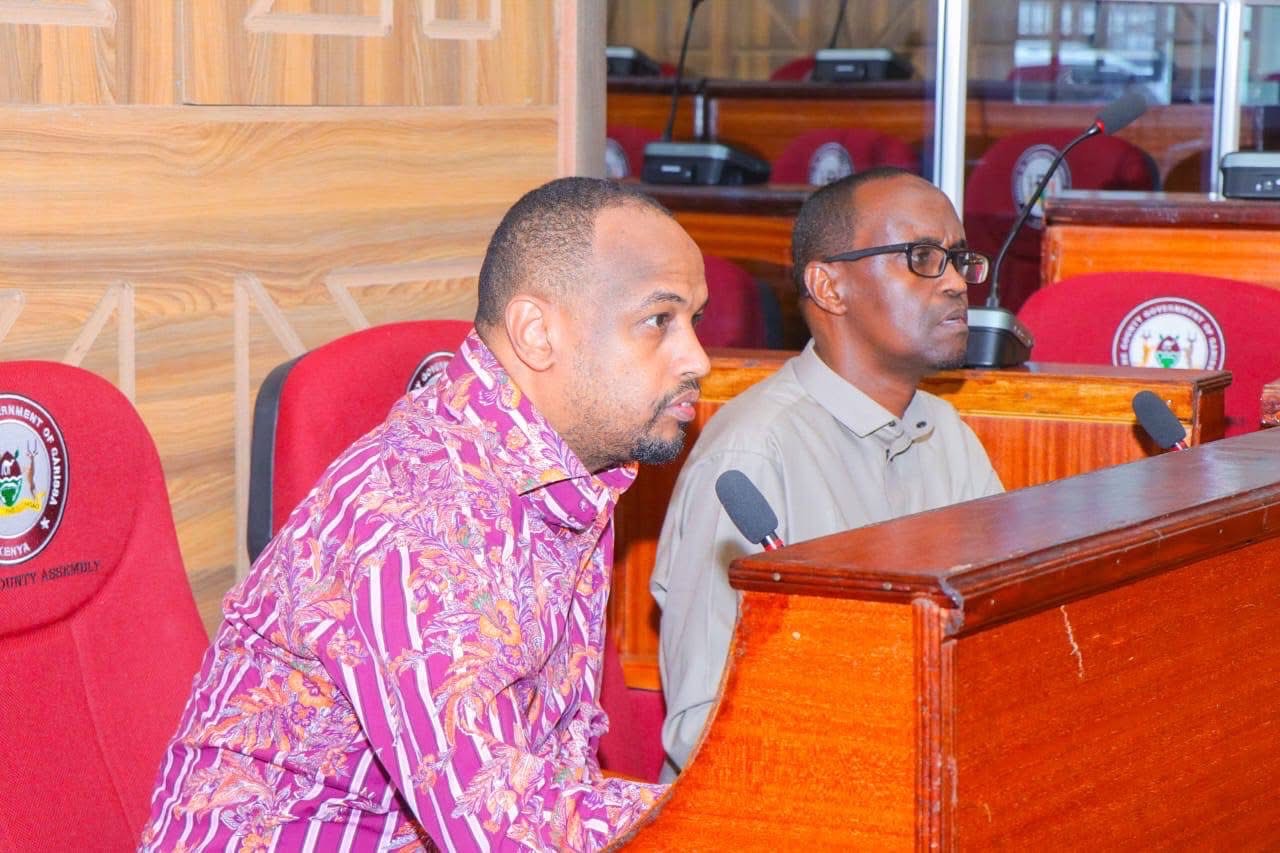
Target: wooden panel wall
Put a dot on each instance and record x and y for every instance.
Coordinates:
(183, 251)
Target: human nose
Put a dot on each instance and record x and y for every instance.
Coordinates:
(951, 281)
(693, 361)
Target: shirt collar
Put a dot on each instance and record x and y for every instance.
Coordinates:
(858, 412)
(522, 446)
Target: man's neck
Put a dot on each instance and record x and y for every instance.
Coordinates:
(892, 390)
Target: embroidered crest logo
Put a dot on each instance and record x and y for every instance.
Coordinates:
(429, 370)
(33, 478)
(829, 163)
(1170, 332)
(1027, 172)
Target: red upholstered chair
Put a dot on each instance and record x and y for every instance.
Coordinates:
(1006, 175)
(796, 69)
(1163, 319)
(99, 634)
(624, 150)
(821, 156)
(312, 408)
(738, 314)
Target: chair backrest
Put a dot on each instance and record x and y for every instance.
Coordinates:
(624, 150)
(796, 69)
(312, 408)
(824, 155)
(1163, 319)
(1005, 177)
(99, 633)
(738, 315)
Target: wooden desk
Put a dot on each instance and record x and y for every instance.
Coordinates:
(1174, 232)
(1095, 670)
(1038, 423)
(763, 116)
(747, 223)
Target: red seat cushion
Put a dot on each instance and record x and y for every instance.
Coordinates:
(735, 316)
(1005, 176)
(1163, 319)
(99, 633)
(624, 150)
(821, 156)
(796, 69)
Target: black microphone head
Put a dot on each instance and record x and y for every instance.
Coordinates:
(747, 508)
(1158, 420)
(1122, 112)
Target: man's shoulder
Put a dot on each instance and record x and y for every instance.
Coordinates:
(762, 410)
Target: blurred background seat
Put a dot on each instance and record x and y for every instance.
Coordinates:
(624, 150)
(818, 157)
(1007, 173)
(1164, 320)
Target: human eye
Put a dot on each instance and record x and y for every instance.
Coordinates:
(697, 318)
(658, 321)
(927, 258)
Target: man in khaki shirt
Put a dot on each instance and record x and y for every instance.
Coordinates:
(840, 437)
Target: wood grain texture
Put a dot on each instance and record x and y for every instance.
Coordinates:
(1173, 232)
(787, 765)
(1123, 708)
(371, 52)
(1038, 423)
(1149, 721)
(1047, 544)
(392, 205)
(87, 52)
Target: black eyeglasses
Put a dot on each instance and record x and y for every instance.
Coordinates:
(928, 260)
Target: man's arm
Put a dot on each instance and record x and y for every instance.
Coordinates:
(691, 585)
(433, 680)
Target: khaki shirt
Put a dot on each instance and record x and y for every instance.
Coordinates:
(827, 458)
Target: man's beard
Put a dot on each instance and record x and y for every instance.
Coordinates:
(648, 449)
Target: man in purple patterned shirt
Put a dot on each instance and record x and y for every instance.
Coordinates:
(413, 662)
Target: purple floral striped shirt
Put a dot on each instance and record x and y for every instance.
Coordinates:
(414, 660)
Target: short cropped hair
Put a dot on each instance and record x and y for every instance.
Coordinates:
(827, 219)
(544, 241)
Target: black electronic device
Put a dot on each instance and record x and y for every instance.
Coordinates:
(700, 162)
(996, 337)
(626, 61)
(849, 65)
(1251, 174)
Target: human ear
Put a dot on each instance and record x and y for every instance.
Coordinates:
(528, 326)
(827, 290)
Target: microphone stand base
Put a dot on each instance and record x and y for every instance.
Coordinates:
(996, 339)
(709, 163)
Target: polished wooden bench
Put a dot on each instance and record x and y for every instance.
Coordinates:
(1039, 423)
(1090, 663)
(1089, 232)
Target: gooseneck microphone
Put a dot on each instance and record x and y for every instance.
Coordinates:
(667, 162)
(675, 88)
(748, 509)
(1159, 421)
(996, 337)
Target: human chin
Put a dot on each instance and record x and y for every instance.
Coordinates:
(655, 450)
